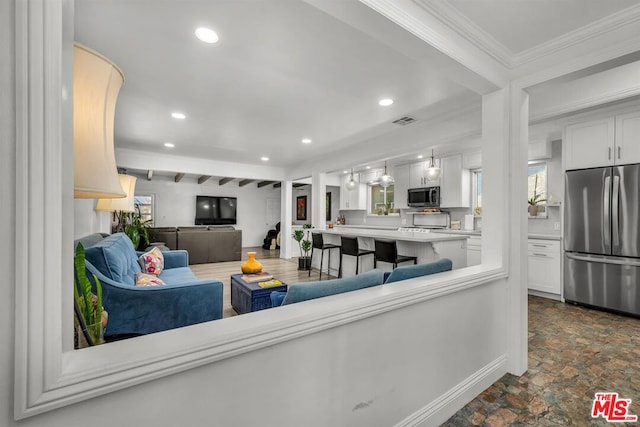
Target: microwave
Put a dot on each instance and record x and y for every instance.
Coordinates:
(427, 197)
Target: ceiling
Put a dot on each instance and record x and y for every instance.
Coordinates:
(520, 25)
(286, 70)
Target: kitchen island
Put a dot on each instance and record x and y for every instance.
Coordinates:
(427, 246)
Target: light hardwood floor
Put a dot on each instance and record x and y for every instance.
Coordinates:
(282, 269)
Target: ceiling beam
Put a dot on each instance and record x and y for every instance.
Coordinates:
(297, 184)
(277, 185)
(149, 175)
(264, 183)
(178, 177)
(203, 179)
(245, 182)
(223, 181)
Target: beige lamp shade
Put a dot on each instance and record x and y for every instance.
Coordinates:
(96, 83)
(125, 204)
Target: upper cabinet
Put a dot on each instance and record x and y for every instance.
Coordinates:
(605, 142)
(355, 199)
(418, 175)
(401, 175)
(455, 183)
(628, 138)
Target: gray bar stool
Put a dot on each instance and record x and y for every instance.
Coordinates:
(387, 251)
(318, 243)
(350, 247)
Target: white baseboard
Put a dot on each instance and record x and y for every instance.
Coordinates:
(438, 411)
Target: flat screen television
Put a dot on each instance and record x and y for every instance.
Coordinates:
(212, 210)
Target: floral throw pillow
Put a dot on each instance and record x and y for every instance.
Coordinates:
(152, 262)
(144, 279)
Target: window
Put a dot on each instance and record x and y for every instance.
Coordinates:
(537, 186)
(381, 200)
(477, 191)
(144, 207)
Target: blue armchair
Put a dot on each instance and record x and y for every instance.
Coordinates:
(183, 300)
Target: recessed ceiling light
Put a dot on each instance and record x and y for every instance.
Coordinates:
(368, 167)
(345, 171)
(385, 102)
(420, 156)
(206, 35)
(264, 158)
(306, 141)
(169, 144)
(178, 115)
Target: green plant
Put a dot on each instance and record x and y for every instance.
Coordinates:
(89, 305)
(302, 237)
(136, 228)
(536, 200)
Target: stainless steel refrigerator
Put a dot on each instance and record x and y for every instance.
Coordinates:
(602, 238)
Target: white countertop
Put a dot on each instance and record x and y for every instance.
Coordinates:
(353, 230)
(394, 234)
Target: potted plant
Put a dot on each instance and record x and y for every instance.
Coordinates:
(302, 237)
(534, 202)
(137, 229)
(91, 318)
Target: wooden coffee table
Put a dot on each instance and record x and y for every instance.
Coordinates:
(248, 297)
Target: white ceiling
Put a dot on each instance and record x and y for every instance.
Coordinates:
(282, 71)
(523, 24)
(285, 70)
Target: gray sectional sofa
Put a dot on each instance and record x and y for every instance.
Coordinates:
(213, 243)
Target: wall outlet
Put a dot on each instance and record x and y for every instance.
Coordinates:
(556, 226)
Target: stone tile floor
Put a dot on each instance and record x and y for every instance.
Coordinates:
(574, 352)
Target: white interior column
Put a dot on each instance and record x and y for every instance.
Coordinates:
(286, 218)
(504, 208)
(319, 200)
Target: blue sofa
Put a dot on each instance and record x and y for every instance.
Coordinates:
(311, 290)
(183, 300)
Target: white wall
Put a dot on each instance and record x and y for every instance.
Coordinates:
(175, 203)
(88, 220)
(306, 191)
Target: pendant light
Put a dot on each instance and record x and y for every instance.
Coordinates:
(351, 184)
(386, 179)
(433, 172)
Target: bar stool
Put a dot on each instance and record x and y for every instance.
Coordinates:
(318, 243)
(387, 251)
(350, 247)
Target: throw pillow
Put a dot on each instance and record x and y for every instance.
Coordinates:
(144, 279)
(152, 262)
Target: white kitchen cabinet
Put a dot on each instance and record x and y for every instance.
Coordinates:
(605, 142)
(355, 199)
(627, 138)
(474, 251)
(544, 266)
(418, 175)
(401, 175)
(455, 183)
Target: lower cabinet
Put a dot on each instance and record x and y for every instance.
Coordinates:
(544, 266)
(474, 250)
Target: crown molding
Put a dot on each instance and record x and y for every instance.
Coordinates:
(580, 35)
(467, 29)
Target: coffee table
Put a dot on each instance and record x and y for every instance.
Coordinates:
(247, 297)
